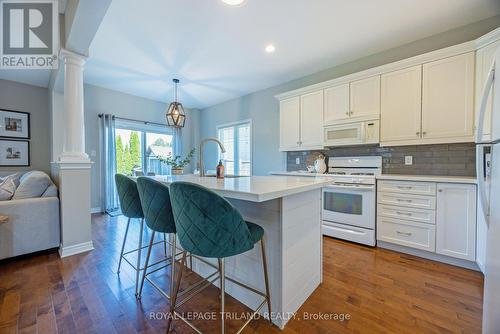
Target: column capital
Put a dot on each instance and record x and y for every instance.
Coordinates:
(72, 57)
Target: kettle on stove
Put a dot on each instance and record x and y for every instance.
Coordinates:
(320, 164)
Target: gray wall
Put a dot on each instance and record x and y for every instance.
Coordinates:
(99, 100)
(263, 108)
(35, 100)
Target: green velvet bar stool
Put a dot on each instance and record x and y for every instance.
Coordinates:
(131, 208)
(155, 200)
(209, 226)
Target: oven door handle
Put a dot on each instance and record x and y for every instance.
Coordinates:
(362, 188)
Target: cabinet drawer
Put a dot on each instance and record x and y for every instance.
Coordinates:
(405, 233)
(399, 212)
(407, 200)
(415, 188)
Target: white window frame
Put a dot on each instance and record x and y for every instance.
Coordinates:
(236, 152)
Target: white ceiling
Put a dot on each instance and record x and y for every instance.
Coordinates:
(217, 51)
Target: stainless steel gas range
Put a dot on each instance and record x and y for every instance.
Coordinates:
(348, 210)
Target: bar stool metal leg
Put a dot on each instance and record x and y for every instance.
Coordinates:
(146, 264)
(173, 300)
(138, 268)
(123, 246)
(222, 277)
(173, 249)
(266, 278)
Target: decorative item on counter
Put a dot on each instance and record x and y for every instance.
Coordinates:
(220, 170)
(177, 163)
(320, 164)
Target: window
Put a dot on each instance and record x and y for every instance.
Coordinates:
(237, 139)
(138, 147)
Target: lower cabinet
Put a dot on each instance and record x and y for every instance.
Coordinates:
(442, 221)
(456, 221)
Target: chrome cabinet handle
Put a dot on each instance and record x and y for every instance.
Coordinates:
(403, 213)
(418, 133)
(404, 233)
(404, 200)
(424, 133)
(347, 113)
(405, 187)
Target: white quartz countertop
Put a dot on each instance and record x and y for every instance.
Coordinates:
(253, 188)
(428, 178)
(300, 174)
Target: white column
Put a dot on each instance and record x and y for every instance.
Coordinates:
(73, 165)
(74, 120)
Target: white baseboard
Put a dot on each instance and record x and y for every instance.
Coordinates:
(75, 249)
(428, 255)
(97, 209)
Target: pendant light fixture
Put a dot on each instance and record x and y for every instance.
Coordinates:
(176, 116)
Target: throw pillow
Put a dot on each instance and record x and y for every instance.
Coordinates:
(8, 187)
(32, 184)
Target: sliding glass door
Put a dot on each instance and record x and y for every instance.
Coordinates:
(139, 147)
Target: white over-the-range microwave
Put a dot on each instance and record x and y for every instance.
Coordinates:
(356, 133)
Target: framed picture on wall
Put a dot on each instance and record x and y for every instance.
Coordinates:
(14, 153)
(14, 124)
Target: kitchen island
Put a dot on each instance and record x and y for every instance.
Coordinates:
(288, 208)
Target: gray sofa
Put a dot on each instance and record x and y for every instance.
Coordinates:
(33, 214)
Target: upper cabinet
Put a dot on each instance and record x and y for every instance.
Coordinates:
(448, 99)
(365, 98)
(401, 101)
(336, 103)
(484, 59)
(349, 102)
(301, 122)
(311, 120)
(289, 124)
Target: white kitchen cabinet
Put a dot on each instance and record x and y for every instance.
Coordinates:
(364, 98)
(290, 124)
(448, 98)
(484, 59)
(401, 105)
(336, 104)
(456, 220)
(311, 120)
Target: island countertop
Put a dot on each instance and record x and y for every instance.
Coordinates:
(251, 188)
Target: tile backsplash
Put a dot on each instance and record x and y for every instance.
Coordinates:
(443, 159)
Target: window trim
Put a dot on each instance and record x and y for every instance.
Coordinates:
(234, 124)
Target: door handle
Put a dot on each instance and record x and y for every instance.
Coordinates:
(404, 233)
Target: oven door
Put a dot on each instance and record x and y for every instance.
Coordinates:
(349, 204)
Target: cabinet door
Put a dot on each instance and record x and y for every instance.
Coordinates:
(484, 59)
(311, 120)
(448, 95)
(365, 97)
(290, 124)
(401, 104)
(456, 220)
(336, 103)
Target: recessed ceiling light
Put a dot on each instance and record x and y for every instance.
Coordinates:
(233, 2)
(270, 48)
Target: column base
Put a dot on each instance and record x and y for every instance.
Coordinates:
(75, 249)
(74, 193)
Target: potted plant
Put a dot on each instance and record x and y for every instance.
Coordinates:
(177, 162)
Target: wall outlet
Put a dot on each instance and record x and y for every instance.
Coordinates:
(408, 159)
(297, 161)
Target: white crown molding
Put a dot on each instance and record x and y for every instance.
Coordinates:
(401, 64)
(489, 38)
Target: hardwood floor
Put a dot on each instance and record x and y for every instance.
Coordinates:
(381, 291)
